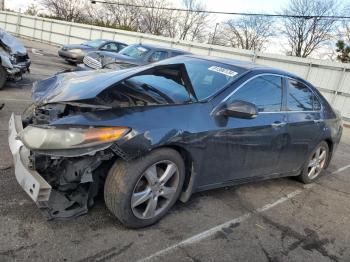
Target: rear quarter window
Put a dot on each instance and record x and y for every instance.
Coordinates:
(300, 97)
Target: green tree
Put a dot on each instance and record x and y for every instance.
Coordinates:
(343, 51)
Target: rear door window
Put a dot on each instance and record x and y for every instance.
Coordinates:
(300, 97)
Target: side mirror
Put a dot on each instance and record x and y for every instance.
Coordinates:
(240, 109)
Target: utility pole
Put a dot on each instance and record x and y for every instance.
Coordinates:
(213, 39)
(2, 5)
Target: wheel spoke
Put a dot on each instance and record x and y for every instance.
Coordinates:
(322, 155)
(168, 173)
(151, 207)
(312, 172)
(155, 189)
(168, 192)
(312, 163)
(140, 197)
(151, 175)
(318, 152)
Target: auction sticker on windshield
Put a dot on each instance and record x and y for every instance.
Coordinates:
(224, 71)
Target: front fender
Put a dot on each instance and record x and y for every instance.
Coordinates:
(5, 61)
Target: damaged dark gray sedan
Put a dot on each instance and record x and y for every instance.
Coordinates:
(151, 135)
(14, 58)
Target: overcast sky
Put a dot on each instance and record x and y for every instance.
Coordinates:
(266, 6)
(212, 5)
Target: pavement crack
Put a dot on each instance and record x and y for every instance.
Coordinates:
(266, 253)
(308, 242)
(12, 252)
(107, 254)
(193, 258)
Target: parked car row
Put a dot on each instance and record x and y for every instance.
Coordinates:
(105, 54)
(76, 53)
(160, 125)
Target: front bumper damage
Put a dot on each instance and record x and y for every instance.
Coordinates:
(32, 183)
(61, 190)
(19, 69)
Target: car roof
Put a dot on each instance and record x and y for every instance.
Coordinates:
(159, 47)
(245, 65)
(109, 40)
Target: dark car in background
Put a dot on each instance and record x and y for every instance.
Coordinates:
(75, 53)
(132, 55)
(13, 57)
(151, 135)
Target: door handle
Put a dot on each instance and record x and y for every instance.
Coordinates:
(278, 124)
(317, 121)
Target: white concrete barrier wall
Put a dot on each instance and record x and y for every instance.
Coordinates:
(331, 78)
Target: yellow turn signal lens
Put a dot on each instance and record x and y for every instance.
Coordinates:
(105, 134)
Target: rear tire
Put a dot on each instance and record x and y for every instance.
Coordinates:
(130, 195)
(315, 164)
(3, 77)
(73, 63)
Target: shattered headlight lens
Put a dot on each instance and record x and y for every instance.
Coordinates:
(72, 138)
(13, 59)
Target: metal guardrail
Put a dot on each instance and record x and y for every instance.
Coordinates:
(331, 78)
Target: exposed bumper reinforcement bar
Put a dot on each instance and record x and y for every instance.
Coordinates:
(32, 183)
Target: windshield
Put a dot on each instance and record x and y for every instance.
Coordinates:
(94, 43)
(135, 51)
(209, 77)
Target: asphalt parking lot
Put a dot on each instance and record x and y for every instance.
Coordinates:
(276, 220)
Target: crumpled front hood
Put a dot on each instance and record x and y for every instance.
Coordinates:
(14, 46)
(75, 86)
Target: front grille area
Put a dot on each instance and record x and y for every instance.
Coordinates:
(22, 58)
(91, 62)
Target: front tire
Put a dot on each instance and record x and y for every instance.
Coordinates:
(316, 163)
(3, 76)
(141, 192)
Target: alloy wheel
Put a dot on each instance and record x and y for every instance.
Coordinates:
(155, 189)
(317, 162)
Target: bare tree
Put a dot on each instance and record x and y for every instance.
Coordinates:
(32, 9)
(305, 35)
(124, 16)
(154, 20)
(111, 14)
(248, 32)
(68, 10)
(192, 25)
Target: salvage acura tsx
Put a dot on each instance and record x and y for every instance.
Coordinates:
(151, 135)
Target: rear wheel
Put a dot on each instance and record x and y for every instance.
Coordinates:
(140, 192)
(315, 164)
(71, 62)
(3, 77)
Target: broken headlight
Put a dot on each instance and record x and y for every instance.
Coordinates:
(13, 59)
(38, 138)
